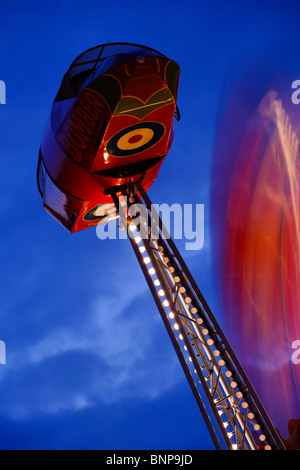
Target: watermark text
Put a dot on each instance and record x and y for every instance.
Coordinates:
(2, 92)
(178, 221)
(296, 94)
(2, 352)
(296, 353)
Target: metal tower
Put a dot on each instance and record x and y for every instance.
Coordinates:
(213, 371)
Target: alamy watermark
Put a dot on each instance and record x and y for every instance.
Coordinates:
(2, 92)
(2, 352)
(179, 222)
(296, 94)
(296, 353)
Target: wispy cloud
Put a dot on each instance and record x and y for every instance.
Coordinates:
(119, 350)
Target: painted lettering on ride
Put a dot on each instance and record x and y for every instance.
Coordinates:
(78, 130)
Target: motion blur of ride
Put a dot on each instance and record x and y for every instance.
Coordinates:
(255, 227)
(111, 124)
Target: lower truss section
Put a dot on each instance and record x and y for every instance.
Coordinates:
(236, 418)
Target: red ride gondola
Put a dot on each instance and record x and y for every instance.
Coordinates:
(111, 124)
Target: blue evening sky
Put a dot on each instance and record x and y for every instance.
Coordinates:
(89, 364)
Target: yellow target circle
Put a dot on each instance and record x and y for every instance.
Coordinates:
(135, 139)
(101, 213)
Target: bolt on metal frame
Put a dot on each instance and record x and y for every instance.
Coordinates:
(207, 359)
